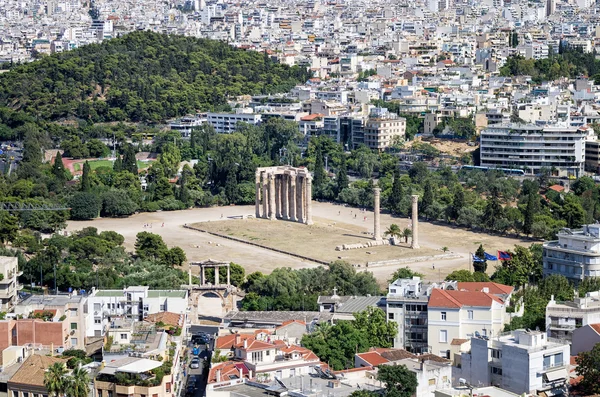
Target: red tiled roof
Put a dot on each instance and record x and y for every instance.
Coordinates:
(494, 288)
(596, 327)
(254, 345)
(229, 341)
(557, 188)
(312, 117)
(458, 342)
(228, 368)
(373, 358)
(457, 299)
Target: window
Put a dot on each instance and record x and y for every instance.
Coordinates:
(97, 307)
(73, 312)
(470, 314)
(443, 316)
(268, 352)
(496, 370)
(546, 361)
(123, 336)
(496, 353)
(558, 359)
(168, 387)
(392, 291)
(97, 320)
(443, 336)
(73, 325)
(73, 341)
(162, 308)
(391, 316)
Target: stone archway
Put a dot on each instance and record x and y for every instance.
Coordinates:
(211, 304)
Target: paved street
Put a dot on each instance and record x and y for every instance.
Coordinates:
(198, 376)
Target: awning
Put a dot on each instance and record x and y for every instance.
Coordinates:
(557, 374)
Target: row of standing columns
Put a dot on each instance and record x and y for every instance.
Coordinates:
(202, 275)
(284, 195)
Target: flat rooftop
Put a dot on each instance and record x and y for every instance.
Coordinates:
(115, 293)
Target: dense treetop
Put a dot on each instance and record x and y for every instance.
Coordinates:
(142, 76)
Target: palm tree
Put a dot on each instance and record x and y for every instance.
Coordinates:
(394, 231)
(407, 232)
(78, 383)
(55, 379)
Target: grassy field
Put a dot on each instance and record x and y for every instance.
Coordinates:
(108, 163)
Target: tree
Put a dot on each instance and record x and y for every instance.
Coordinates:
(85, 205)
(86, 184)
(521, 269)
(428, 198)
(399, 381)
(380, 332)
(342, 175)
(58, 169)
(404, 272)
(480, 266)
(395, 197)
(320, 177)
(9, 227)
(588, 366)
(458, 202)
(572, 212)
(460, 276)
(170, 158)
(55, 379)
(117, 203)
(78, 384)
(175, 257)
(118, 165)
(150, 246)
(129, 160)
(530, 210)
(493, 210)
(407, 232)
(393, 231)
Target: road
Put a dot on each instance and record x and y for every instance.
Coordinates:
(200, 374)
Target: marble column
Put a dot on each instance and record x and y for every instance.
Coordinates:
(299, 199)
(216, 275)
(376, 217)
(284, 196)
(308, 199)
(292, 198)
(272, 197)
(257, 199)
(265, 196)
(415, 222)
(202, 276)
(228, 275)
(277, 196)
(189, 276)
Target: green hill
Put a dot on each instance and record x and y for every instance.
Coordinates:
(142, 76)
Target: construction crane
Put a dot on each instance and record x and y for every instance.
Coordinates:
(31, 207)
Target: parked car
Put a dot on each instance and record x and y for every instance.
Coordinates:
(195, 364)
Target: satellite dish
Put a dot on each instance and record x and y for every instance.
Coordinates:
(477, 334)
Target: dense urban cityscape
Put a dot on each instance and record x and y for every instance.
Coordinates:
(210, 198)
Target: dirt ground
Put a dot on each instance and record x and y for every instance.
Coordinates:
(446, 146)
(298, 238)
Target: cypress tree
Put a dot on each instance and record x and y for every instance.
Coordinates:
(319, 179)
(427, 195)
(129, 161)
(529, 213)
(86, 183)
(342, 175)
(118, 165)
(480, 266)
(58, 168)
(395, 197)
(458, 202)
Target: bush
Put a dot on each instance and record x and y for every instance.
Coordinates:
(85, 206)
(150, 206)
(170, 204)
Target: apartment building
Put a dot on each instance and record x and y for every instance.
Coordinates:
(135, 302)
(575, 255)
(226, 123)
(352, 131)
(563, 318)
(383, 129)
(532, 147)
(9, 283)
(592, 156)
(185, 125)
(456, 315)
(66, 328)
(521, 362)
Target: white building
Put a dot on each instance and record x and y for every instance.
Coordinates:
(9, 283)
(563, 318)
(575, 255)
(225, 123)
(532, 147)
(186, 124)
(383, 129)
(456, 315)
(132, 302)
(520, 362)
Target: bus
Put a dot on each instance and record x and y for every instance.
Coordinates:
(506, 171)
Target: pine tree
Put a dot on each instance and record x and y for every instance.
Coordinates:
(86, 183)
(319, 174)
(129, 161)
(480, 266)
(342, 175)
(231, 186)
(118, 165)
(395, 197)
(58, 168)
(529, 213)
